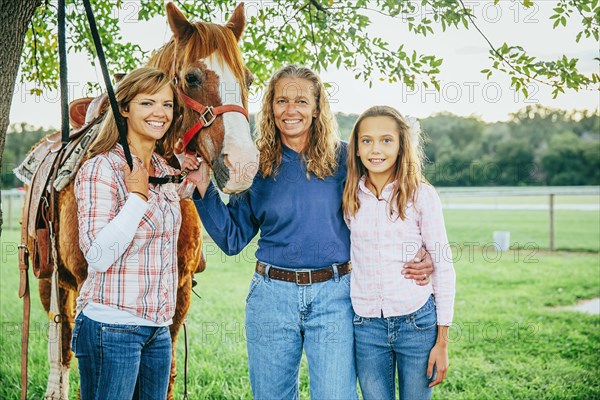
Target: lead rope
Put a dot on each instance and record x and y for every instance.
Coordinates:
(185, 363)
(55, 327)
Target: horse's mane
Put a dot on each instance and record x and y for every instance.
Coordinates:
(206, 39)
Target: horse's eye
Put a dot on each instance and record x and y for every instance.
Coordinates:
(193, 79)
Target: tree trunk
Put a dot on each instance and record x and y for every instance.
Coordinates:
(15, 17)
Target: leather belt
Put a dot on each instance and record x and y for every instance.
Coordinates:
(304, 277)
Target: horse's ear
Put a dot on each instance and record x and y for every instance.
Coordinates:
(181, 27)
(237, 22)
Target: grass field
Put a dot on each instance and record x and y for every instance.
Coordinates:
(508, 341)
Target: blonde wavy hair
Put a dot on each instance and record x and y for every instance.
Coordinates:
(142, 80)
(408, 173)
(320, 154)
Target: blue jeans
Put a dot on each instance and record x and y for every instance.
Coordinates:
(282, 318)
(121, 361)
(403, 343)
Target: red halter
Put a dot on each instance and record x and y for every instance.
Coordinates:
(207, 115)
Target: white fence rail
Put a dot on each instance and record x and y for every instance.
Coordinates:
(447, 193)
(499, 191)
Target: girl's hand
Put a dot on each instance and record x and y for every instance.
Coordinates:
(199, 175)
(438, 357)
(136, 180)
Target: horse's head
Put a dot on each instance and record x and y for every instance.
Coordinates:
(213, 81)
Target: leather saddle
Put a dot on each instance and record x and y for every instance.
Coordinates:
(39, 208)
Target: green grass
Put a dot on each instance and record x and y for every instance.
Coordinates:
(509, 341)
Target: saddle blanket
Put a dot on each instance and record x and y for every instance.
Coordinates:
(67, 171)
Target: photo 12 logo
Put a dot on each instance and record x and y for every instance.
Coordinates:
(470, 92)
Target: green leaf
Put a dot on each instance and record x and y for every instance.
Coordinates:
(556, 23)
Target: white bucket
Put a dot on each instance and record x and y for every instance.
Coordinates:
(502, 240)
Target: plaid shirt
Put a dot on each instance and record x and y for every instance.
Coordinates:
(143, 279)
(382, 244)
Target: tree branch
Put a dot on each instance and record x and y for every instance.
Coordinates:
(319, 6)
(312, 33)
(35, 53)
(345, 7)
(496, 51)
(286, 21)
(583, 17)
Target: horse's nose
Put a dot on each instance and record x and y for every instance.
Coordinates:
(220, 171)
(234, 175)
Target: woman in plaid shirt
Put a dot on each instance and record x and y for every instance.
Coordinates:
(392, 212)
(128, 233)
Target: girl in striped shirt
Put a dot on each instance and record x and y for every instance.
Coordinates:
(392, 212)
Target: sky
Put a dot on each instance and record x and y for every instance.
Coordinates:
(464, 90)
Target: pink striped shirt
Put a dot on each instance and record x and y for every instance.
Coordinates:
(381, 245)
(143, 278)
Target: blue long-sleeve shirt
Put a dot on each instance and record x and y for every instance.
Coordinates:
(300, 221)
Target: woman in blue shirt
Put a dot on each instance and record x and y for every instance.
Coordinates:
(299, 297)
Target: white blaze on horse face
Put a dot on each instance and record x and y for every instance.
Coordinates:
(241, 155)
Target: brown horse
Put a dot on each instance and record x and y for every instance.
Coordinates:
(208, 62)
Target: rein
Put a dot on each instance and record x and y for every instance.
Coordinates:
(122, 128)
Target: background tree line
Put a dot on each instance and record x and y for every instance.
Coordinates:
(536, 146)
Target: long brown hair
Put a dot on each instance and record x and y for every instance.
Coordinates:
(408, 170)
(142, 80)
(321, 152)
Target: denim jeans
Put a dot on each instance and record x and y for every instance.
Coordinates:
(403, 343)
(121, 361)
(282, 318)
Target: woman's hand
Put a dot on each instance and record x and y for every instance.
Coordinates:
(189, 162)
(136, 180)
(420, 269)
(438, 357)
(199, 173)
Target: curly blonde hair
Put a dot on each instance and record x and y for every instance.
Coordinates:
(407, 172)
(142, 80)
(320, 154)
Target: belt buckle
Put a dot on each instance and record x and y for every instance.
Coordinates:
(306, 271)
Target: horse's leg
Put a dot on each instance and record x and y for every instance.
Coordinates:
(183, 304)
(189, 253)
(58, 378)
